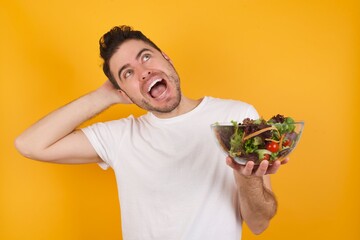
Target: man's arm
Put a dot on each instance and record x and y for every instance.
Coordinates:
(257, 202)
(55, 139)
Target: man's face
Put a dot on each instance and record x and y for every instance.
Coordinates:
(146, 76)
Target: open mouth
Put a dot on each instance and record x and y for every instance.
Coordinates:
(157, 88)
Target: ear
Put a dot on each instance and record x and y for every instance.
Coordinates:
(124, 97)
(166, 57)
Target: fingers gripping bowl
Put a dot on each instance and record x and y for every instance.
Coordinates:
(257, 140)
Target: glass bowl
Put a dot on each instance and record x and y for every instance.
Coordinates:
(276, 145)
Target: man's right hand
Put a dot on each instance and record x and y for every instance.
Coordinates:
(115, 95)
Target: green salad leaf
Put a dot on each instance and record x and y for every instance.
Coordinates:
(236, 140)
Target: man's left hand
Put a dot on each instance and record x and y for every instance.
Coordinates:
(250, 169)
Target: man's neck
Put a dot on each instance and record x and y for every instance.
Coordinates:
(185, 105)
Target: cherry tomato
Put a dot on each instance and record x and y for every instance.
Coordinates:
(287, 143)
(272, 146)
(266, 157)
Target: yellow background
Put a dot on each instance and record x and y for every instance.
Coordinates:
(298, 58)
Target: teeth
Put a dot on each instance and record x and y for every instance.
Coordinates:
(153, 83)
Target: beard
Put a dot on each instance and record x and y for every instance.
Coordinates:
(170, 105)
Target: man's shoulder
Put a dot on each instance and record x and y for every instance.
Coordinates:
(114, 122)
(231, 109)
(227, 102)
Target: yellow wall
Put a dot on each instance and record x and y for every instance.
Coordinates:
(298, 58)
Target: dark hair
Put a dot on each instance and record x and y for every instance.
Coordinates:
(112, 40)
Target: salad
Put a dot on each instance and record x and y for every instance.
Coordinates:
(257, 140)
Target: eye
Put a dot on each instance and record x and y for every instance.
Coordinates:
(146, 57)
(127, 73)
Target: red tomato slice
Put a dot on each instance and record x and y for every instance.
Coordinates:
(287, 143)
(272, 147)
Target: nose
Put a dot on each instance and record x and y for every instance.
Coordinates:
(145, 74)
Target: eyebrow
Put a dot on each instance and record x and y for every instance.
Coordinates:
(137, 58)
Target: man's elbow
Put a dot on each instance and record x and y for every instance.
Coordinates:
(22, 147)
(26, 148)
(259, 227)
(259, 224)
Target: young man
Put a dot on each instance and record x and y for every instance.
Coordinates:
(171, 179)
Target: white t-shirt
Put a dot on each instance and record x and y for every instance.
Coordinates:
(172, 179)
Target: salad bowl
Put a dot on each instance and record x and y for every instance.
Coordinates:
(258, 140)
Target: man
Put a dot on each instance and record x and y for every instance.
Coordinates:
(171, 180)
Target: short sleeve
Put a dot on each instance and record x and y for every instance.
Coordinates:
(100, 137)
